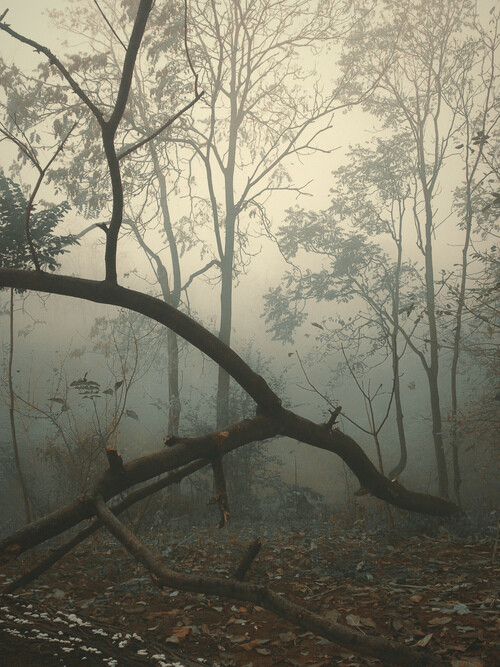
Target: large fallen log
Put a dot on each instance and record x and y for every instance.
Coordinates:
(32, 633)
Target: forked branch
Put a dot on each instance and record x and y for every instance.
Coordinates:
(388, 651)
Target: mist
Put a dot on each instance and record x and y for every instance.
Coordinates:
(263, 231)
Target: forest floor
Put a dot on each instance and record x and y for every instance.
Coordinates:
(431, 584)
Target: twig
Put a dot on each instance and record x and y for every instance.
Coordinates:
(248, 558)
(204, 269)
(169, 122)
(188, 56)
(326, 399)
(109, 24)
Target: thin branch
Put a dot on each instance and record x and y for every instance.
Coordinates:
(327, 400)
(188, 55)
(30, 205)
(129, 63)
(109, 24)
(39, 48)
(213, 262)
(169, 122)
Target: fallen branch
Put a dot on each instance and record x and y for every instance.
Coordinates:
(67, 639)
(134, 497)
(211, 446)
(389, 651)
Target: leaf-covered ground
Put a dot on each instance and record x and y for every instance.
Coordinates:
(425, 584)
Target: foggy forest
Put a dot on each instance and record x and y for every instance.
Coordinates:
(249, 299)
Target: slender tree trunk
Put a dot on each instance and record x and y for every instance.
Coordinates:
(15, 447)
(396, 303)
(457, 479)
(403, 451)
(226, 297)
(174, 411)
(171, 296)
(433, 368)
(227, 261)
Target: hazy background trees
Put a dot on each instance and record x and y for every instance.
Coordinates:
(433, 66)
(401, 261)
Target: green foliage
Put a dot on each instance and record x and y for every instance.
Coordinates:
(14, 249)
(282, 314)
(163, 86)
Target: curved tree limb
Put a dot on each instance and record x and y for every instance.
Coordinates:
(155, 309)
(184, 451)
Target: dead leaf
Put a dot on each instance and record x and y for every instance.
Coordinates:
(332, 615)
(181, 631)
(248, 646)
(440, 620)
(424, 641)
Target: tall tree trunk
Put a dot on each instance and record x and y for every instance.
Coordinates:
(433, 367)
(15, 447)
(171, 296)
(396, 304)
(171, 291)
(457, 479)
(403, 451)
(226, 305)
(174, 410)
(227, 261)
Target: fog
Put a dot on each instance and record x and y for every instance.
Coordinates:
(54, 346)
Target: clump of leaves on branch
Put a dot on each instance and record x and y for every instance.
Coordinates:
(14, 250)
